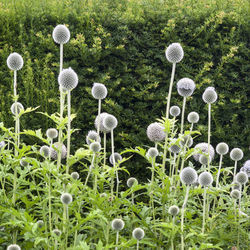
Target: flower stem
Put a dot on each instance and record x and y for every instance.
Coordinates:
(90, 170)
(218, 174)
(235, 167)
(204, 210)
(182, 113)
(209, 134)
(104, 148)
(114, 165)
(137, 247)
(50, 222)
(98, 117)
(117, 239)
(68, 134)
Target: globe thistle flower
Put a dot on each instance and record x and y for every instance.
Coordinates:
(66, 198)
(174, 53)
(95, 147)
(57, 232)
(174, 148)
(173, 210)
(155, 132)
(15, 61)
(53, 152)
(204, 159)
(68, 79)
(188, 176)
(185, 87)
(2, 144)
(131, 181)
(103, 195)
(138, 233)
(204, 148)
(117, 156)
(193, 117)
(205, 179)
(23, 162)
(45, 150)
(92, 136)
(100, 120)
(17, 105)
(209, 95)
(222, 148)
(117, 224)
(52, 133)
(40, 223)
(236, 185)
(75, 175)
(235, 194)
(246, 168)
(99, 91)
(187, 140)
(236, 154)
(13, 247)
(61, 34)
(175, 111)
(110, 122)
(152, 152)
(241, 178)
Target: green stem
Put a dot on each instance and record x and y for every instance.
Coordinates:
(218, 174)
(204, 210)
(68, 134)
(90, 170)
(104, 148)
(235, 168)
(114, 163)
(50, 221)
(99, 116)
(182, 114)
(137, 247)
(209, 133)
(117, 239)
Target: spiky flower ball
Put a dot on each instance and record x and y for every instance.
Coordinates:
(110, 122)
(52, 133)
(193, 117)
(131, 181)
(23, 162)
(117, 156)
(45, 150)
(236, 185)
(175, 111)
(174, 53)
(53, 152)
(68, 79)
(235, 194)
(99, 91)
(173, 210)
(185, 87)
(187, 140)
(100, 120)
(174, 147)
(236, 154)
(15, 61)
(40, 223)
(117, 224)
(57, 232)
(152, 152)
(205, 179)
(92, 136)
(2, 144)
(241, 178)
(138, 233)
(17, 106)
(13, 247)
(155, 132)
(209, 95)
(246, 168)
(204, 148)
(95, 147)
(204, 159)
(188, 176)
(66, 198)
(222, 148)
(75, 175)
(61, 34)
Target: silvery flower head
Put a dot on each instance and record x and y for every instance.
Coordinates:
(173, 210)
(204, 159)
(205, 179)
(174, 147)
(188, 176)
(100, 120)
(235, 194)
(16, 106)
(236, 154)
(131, 181)
(174, 111)
(117, 224)
(193, 117)
(23, 162)
(75, 175)
(236, 185)
(61, 34)
(95, 146)
(53, 152)
(246, 168)
(66, 198)
(138, 233)
(185, 87)
(241, 178)
(15, 61)
(174, 53)
(68, 79)
(204, 148)
(222, 148)
(2, 144)
(99, 91)
(52, 133)
(187, 140)
(209, 95)
(13, 247)
(40, 223)
(152, 152)
(110, 122)
(92, 136)
(57, 232)
(45, 150)
(117, 157)
(155, 132)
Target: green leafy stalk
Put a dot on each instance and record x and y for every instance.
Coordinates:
(68, 133)
(204, 210)
(209, 133)
(182, 113)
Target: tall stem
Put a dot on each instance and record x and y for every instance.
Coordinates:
(61, 57)
(50, 222)
(209, 134)
(235, 168)
(182, 113)
(204, 210)
(98, 117)
(90, 169)
(218, 174)
(137, 247)
(117, 239)
(104, 148)
(114, 163)
(68, 134)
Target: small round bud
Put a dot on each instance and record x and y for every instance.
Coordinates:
(222, 148)
(246, 168)
(193, 117)
(132, 181)
(235, 194)
(117, 224)
(23, 163)
(45, 150)
(95, 147)
(92, 136)
(236, 185)
(241, 178)
(13, 247)
(15, 61)
(53, 152)
(174, 111)
(152, 152)
(185, 87)
(100, 120)
(52, 133)
(68, 79)
(40, 223)
(174, 53)
(174, 148)
(236, 154)
(2, 144)
(187, 140)
(204, 148)
(173, 210)
(188, 176)
(110, 122)
(205, 179)
(17, 106)
(75, 175)
(61, 34)
(204, 159)
(57, 232)
(138, 233)
(117, 156)
(66, 198)
(103, 195)
(209, 95)
(155, 132)
(99, 91)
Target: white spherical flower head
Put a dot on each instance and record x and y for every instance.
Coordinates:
(246, 168)
(205, 179)
(188, 176)
(187, 140)
(152, 152)
(13, 247)
(174, 147)
(53, 152)
(92, 136)
(15, 61)
(193, 117)
(57, 232)
(174, 53)
(99, 91)
(117, 156)
(204, 148)
(68, 79)
(236, 154)
(52, 133)
(131, 181)
(23, 162)
(235, 194)
(222, 148)
(66, 198)
(204, 159)
(117, 224)
(185, 87)
(138, 233)
(95, 147)
(100, 120)
(40, 223)
(241, 178)
(173, 210)
(174, 111)
(110, 122)
(155, 132)
(75, 175)
(16, 107)
(45, 150)
(236, 185)
(209, 95)
(61, 34)
(2, 144)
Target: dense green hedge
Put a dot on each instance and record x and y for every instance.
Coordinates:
(121, 44)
